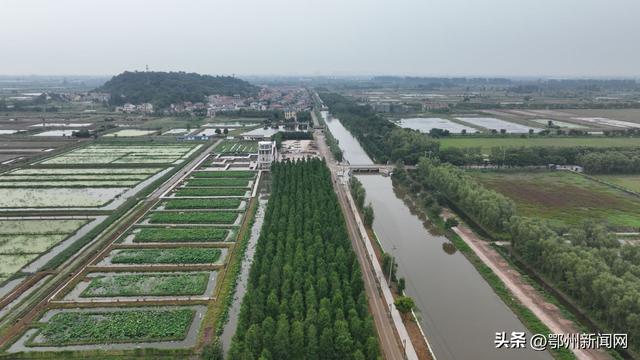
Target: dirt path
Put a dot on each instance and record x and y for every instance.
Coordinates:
(547, 312)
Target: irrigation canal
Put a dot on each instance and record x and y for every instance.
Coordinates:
(458, 310)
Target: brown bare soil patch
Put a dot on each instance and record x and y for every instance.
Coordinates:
(553, 196)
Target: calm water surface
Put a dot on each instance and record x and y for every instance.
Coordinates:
(458, 310)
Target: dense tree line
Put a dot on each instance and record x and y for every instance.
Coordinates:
(165, 88)
(487, 207)
(586, 262)
(610, 162)
(382, 140)
(305, 296)
(590, 266)
(334, 146)
(359, 195)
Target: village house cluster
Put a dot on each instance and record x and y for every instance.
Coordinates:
(289, 99)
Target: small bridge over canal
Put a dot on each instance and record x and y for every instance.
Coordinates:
(374, 168)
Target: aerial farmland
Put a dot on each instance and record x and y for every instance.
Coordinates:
(173, 267)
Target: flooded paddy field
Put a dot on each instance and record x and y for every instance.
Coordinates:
(142, 154)
(24, 240)
(426, 124)
(490, 123)
(130, 133)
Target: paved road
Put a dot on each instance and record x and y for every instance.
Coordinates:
(27, 312)
(386, 332)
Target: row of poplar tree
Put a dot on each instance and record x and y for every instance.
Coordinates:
(305, 296)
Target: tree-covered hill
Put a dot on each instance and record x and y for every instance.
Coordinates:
(164, 88)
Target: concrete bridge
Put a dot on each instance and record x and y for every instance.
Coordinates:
(374, 168)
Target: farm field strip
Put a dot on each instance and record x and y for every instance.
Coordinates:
(164, 256)
(131, 273)
(225, 174)
(115, 286)
(130, 133)
(60, 197)
(204, 182)
(22, 241)
(193, 217)
(67, 183)
(630, 182)
(77, 195)
(564, 197)
(219, 203)
(84, 171)
(107, 326)
(10, 264)
(106, 154)
(486, 143)
(72, 177)
(497, 124)
(562, 124)
(602, 121)
(197, 192)
(426, 124)
(178, 235)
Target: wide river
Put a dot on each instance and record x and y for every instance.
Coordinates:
(458, 310)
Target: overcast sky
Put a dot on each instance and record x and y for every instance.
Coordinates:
(322, 37)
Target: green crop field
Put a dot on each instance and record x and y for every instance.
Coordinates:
(564, 197)
(153, 284)
(72, 328)
(237, 174)
(630, 182)
(218, 182)
(167, 256)
(202, 204)
(486, 143)
(196, 234)
(210, 192)
(193, 217)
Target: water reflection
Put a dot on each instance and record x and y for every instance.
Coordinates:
(449, 248)
(460, 312)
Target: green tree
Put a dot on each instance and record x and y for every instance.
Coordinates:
(404, 304)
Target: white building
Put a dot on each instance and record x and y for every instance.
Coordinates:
(267, 153)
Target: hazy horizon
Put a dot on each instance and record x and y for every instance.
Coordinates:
(455, 38)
